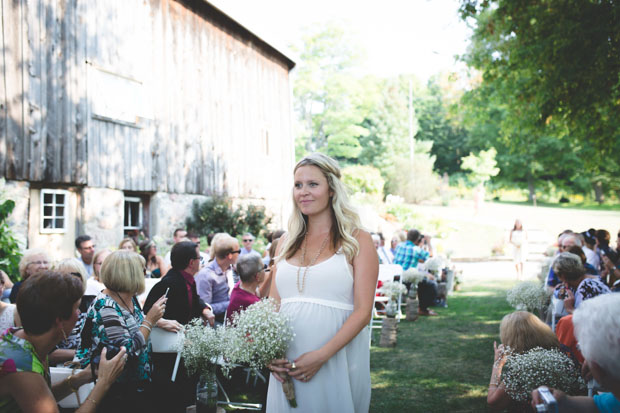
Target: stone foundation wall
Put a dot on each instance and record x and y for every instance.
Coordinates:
(102, 216)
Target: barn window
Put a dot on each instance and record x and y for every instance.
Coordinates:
(133, 213)
(53, 211)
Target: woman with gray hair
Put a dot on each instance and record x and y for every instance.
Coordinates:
(575, 287)
(597, 328)
(251, 270)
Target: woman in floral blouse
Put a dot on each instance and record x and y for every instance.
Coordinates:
(115, 319)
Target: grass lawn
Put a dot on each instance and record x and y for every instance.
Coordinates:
(442, 364)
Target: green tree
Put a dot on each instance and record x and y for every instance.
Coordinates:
(329, 99)
(9, 248)
(482, 166)
(363, 178)
(556, 66)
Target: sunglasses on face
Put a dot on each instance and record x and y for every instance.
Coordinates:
(248, 240)
(236, 252)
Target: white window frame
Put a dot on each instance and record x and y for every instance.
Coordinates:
(43, 217)
(140, 209)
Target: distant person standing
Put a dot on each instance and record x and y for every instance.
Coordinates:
(248, 243)
(177, 236)
(518, 239)
(85, 246)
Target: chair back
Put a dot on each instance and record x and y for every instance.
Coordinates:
(163, 341)
(387, 272)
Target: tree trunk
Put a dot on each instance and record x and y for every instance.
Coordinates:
(598, 192)
(532, 189)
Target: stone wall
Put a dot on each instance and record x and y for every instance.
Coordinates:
(168, 212)
(102, 216)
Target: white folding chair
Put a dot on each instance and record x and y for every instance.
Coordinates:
(163, 341)
(73, 400)
(392, 272)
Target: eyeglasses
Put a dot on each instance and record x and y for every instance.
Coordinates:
(38, 263)
(236, 252)
(248, 240)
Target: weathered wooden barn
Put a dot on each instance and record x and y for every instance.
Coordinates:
(117, 114)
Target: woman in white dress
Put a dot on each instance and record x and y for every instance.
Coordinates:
(518, 239)
(325, 280)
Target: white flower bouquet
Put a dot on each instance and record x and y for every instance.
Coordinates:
(413, 276)
(392, 289)
(528, 296)
(260, 334)
(203, 346)
(522, 373)
(434, 264)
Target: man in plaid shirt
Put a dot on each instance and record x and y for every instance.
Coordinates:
(408, 253)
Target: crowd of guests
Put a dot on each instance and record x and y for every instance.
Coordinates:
(85, 310)
(583, 277)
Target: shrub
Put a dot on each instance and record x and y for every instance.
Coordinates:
(9, 248)
(217, 214)
(362, 178)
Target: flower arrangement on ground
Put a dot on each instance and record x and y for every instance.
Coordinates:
(435, 264)
(413, 276)
(259, 335)
(523, 373)
(528, 296)
(392, 289)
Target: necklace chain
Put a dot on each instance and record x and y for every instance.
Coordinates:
(130, 309)
(303, 259)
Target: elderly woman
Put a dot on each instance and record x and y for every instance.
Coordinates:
(520, 331)
(156, 267)
(33, 261)
(575, 287)
(115, 320)
(48, 304)
(245, 293)
(9, 317)
(597, 327)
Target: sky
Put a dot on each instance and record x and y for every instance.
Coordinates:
(398, 36)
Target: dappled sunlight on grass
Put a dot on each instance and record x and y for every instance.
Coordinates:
(477, 294)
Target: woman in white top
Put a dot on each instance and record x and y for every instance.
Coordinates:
(518, 239)
(325, 280)
(8, 312)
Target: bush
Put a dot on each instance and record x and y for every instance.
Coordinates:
(217, 214)
(9, 248)
(364, 179)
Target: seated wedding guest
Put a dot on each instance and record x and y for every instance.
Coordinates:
(9, 317)
(183, 305)
(212, 242)
(177, 236)
(204, 257)
(589, 269)
(265, 286)
(575, 287)
(597, 328)
(155, 265)
(128, 244)
(267, 256)
(94, 285)
(86, 248)
(212, 281)
(33, 261)
(383, 251)
(611, 270)
(8, 286)
(520, 331)
(48, 304)
(65, 350)
(566, 240)
(589, 248)
(603, 238)
(116, 320)
(564, 330)
(252, 273)
(384, 258)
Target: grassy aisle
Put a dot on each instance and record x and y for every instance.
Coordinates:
(442, 364)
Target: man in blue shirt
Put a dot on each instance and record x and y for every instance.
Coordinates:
(212, 282)
(409, 253)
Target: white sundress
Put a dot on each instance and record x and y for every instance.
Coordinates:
(343, 383)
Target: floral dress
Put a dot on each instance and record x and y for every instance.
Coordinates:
(109, 325)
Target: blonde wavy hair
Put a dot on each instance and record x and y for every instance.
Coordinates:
(522, 331)
(345, 221)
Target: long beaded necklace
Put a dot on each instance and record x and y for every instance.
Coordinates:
(303, 258)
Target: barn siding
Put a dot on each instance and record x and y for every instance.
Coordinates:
(210, 93)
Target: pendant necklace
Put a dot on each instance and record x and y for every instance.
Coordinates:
(303, 258)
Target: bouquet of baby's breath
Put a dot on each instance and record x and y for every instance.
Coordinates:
(392, 289)
(261, 334)
(522, 373)
(203, 346)
(434, 264)
(413, 276)
(528, 296)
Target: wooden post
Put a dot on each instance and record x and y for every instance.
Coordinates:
(389, 330)
(412, 309)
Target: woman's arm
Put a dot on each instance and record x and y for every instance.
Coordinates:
(366, 272)
(263, 289)
(497, 398)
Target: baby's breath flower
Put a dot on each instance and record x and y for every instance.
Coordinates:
(413, 275)
(528, 296)
(392, 289)
(522, 373)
